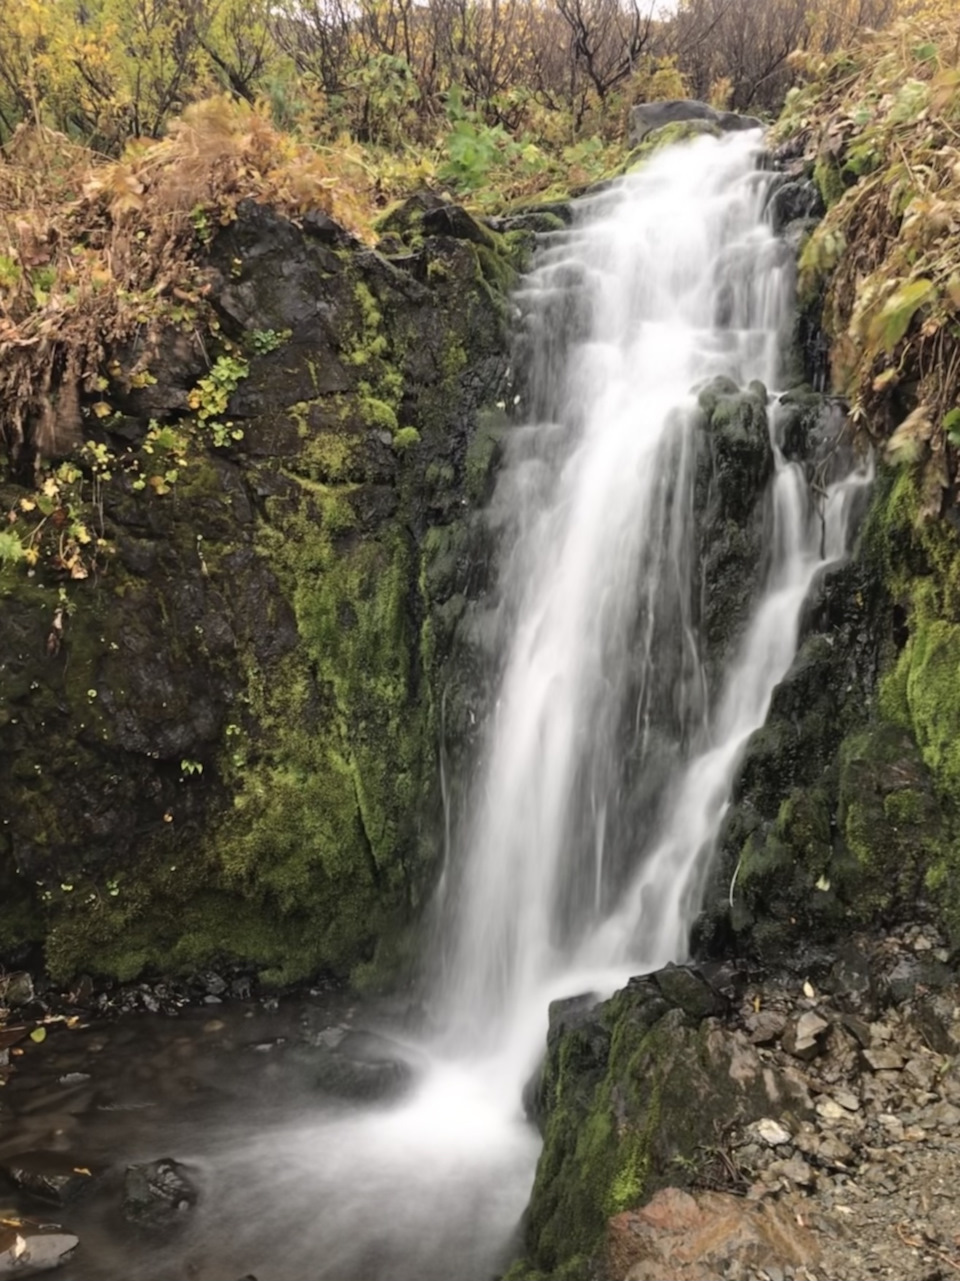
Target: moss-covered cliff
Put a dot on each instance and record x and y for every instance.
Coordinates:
(221, 669)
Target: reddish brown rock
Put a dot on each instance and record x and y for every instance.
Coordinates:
(703, 1236)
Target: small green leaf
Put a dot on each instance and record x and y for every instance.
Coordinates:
(11, 549)
(38, 1034)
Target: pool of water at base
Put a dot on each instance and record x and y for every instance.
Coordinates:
(294, 1185)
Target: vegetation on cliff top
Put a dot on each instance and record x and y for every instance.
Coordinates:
(882, 120)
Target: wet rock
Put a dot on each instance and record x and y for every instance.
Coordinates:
(571, 1012)
(454, 221)
(913, 973)
(704, 1236)
(792, 201)
(803, 1036)
(649, 116)
(158, 1194)
(686, 989)
(53, 1177)
(363, 1065)
(25, 1251)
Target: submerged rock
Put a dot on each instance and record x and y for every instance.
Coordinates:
(361, 1065)
(158, 1194)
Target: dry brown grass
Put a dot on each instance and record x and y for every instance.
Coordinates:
(92, 251)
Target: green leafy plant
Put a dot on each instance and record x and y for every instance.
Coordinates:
(260, 342)
(212, 394)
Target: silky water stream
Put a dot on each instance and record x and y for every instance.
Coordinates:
(669, 278)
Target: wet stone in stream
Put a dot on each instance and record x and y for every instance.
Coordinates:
(157, 1194)
(361, 1065)
(53, 1177)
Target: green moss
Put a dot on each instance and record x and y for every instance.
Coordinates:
(482, 454)
(829, 178)
(496, 270)
(630, 1098)
(405, 438)
(378, 414)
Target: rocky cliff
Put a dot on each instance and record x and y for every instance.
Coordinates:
(223, 641)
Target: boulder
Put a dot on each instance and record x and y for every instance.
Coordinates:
(645, 117)
(631, 1098)
(702, 1236)
(803, 1035)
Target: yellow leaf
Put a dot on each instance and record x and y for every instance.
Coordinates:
(102, 409)
(38, 1034)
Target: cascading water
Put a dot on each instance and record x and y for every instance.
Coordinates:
(670, 279)
(614, 740)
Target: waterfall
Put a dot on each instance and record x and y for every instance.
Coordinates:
(614, 733)
(670, 278)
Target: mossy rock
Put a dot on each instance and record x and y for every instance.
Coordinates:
(628, 1098)
(231, 754)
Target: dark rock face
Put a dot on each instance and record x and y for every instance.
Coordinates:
(228, 749)
(648, 116)
(793, 200)
(734, 464)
